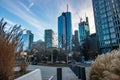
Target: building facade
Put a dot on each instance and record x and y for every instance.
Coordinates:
(39, 44)
(75, 41)
(84, 31)
(93, 43)
(107, 22)
(49, 38)
(65, 31)
(27, 40)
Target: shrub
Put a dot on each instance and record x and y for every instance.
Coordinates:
(23, 67)
(10, 42)
(106, 66)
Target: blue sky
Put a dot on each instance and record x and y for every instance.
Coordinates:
(38, 15)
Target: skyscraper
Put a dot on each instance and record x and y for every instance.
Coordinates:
(49, 38)
(27, 40)
(65, 31)
(84, 31)
(107, 22)
(75, 40)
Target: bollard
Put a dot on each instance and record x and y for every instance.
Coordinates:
(59, 73)
(79, 73)
(83, 75)
(76, 70)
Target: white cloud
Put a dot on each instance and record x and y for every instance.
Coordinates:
(31, 4)
(27, 16)
(24, 6)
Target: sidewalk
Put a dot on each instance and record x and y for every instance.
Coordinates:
(47, 72)
(67, 74)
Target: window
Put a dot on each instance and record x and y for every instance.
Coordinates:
(109, 13)
(101, 6)
(107, 2)
(114, 41)
(102, 11)
(112, 29)
(110, 19)
(108, 8)
(112, 1)
(101, 1)
(104, 26)
(106, 37)
(103, 21)
(103, 16)
(113, 35)
(110, 24)
(107, 42)
(105, 31)
(118, 35)
(113, 6)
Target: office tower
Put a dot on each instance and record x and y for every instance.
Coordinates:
(39, 44)
(93, 43)
(49, 38)
(75, 40)
(84, 31)
(65, 31)
(107, 22)
(27, 40)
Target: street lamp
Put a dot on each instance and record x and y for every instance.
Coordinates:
(25, 53)
(25, 56)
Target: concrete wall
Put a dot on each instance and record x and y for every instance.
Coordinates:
(34, 75)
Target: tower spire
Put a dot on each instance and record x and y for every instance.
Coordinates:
(85, 14)
(67, 7)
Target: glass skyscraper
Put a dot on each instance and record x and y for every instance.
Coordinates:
(65, 31)
(49, 38)
(75, 40)
(107, 22)
(84, 31)
(27, 40)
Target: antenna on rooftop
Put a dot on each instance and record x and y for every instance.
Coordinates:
(85, 14)
(67, 7)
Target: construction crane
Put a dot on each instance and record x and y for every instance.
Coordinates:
(79, 17)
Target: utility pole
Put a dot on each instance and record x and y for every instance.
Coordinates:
(52, 56)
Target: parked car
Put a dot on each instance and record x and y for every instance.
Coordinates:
(57, 62)
(62, 62)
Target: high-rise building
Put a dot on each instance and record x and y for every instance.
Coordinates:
(107, 22)
(39, 44)
(49, 38)
(65, 31)
(27, 40)
(93, 43)
(84, 31)
(75, 40)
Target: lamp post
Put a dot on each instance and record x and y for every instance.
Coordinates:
(25, 56)
(52, 57)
